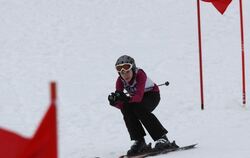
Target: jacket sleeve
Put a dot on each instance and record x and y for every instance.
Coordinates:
(119, 104)
(119, 87)
(141, 78)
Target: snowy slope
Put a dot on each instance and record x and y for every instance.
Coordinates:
(77, 43)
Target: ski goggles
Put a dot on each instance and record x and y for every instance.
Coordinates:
(123, 67)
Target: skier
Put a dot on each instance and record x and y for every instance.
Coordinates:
(136, 107)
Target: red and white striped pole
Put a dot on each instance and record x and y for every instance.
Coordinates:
(200, 54)
(242, 54)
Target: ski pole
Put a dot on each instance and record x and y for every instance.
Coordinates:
(166, 83)
(162, 84)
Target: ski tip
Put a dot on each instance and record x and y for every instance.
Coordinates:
(191, 146)
(195, 144)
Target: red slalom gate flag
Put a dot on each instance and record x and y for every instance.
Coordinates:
(42, 145)
(220, 5)
(11, 144)
(44, 142)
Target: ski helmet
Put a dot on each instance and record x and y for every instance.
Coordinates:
(126, 59)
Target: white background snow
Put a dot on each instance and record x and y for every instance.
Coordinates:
(77, 42)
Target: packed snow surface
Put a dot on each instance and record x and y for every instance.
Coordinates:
(76, 43)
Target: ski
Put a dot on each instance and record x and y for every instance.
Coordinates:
(155, 153)
(160, 152)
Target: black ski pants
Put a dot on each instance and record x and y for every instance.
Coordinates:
(137, 114)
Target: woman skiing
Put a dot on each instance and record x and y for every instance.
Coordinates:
(136, 107)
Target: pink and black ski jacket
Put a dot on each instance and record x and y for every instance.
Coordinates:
(136, 88)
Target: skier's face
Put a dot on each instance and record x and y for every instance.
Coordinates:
(127, 75)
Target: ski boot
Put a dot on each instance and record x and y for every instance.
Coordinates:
(164, 143)
(139, 147)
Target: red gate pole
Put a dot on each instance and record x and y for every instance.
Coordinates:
(242, 55)
(53, 92)
(200, 54)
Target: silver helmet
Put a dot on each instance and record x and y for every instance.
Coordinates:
(126, 59)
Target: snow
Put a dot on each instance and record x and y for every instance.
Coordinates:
(76, 43)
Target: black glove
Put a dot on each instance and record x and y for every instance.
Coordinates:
(121, 96)
(112, 99)
(117, 96)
